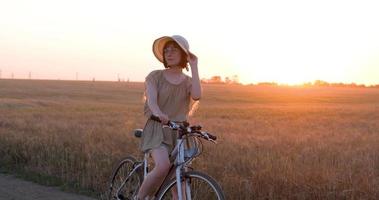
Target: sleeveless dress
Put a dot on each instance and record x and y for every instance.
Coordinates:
(173, 100)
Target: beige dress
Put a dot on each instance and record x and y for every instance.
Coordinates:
(173, 100)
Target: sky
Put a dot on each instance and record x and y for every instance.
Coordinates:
(288, 42)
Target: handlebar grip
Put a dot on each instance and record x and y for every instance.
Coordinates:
(155, 118)
(213, 137)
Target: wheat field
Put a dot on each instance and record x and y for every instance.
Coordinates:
(273, 142)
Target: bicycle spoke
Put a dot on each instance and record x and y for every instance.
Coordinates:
(201, 186)
(122, 188)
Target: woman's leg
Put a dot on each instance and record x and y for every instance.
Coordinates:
(155, 178)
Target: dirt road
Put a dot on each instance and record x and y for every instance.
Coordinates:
(12, 188)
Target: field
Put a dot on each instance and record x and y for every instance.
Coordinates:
(274, 142)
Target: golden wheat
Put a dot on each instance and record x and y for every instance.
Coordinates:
(274, 142)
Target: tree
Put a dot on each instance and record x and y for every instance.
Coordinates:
(235, 79)
(321, 83)
(216, 79)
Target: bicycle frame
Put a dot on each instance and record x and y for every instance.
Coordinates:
(179, 166)
(179, 153)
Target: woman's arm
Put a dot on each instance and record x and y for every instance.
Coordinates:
(196, 87)
(152, 102)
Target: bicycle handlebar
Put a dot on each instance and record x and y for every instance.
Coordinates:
(185, 128)
(171, 124)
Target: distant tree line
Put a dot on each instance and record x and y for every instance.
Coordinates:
(218, 80)
(317, 83)
(321, 83)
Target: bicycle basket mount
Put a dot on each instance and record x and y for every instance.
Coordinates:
(192, 148)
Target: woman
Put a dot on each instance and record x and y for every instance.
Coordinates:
(169, 95)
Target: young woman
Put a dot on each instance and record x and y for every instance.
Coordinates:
(170, 95)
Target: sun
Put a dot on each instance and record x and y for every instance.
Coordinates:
(293, 62)
(255, 66)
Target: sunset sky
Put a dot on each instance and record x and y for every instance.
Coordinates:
(260, 41)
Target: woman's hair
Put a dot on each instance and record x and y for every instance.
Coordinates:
(194, 105)
(183, 55)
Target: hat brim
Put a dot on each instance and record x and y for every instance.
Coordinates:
(159, 44)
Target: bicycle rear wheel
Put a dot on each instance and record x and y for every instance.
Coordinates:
(202, 186)
(120, 190)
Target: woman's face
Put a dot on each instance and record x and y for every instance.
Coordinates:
(172, 54)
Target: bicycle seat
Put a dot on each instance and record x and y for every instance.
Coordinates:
(138, 132)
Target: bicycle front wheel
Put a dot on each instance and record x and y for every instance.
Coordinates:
(120, 188)
(201, 186)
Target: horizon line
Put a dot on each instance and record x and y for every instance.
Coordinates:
(263, 83)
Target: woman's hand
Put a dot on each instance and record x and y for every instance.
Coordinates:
(192, 60)
(164, 118)
(196, 88)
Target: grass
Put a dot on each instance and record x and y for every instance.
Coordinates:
(274, 142)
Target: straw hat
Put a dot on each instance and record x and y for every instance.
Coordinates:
(159, 44)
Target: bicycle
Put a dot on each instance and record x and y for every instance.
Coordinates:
(129, 173)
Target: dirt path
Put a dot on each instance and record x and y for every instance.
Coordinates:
(12, 188)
